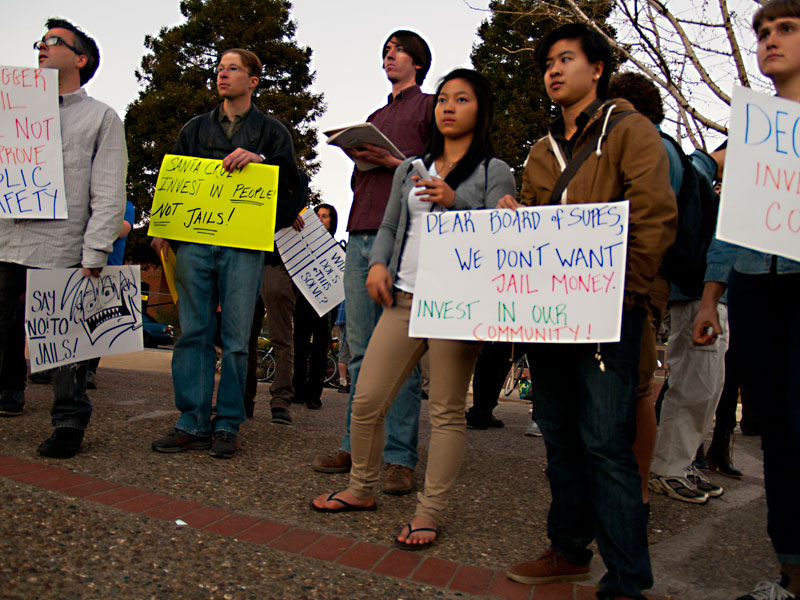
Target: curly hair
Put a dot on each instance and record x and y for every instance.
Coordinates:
(639, 91)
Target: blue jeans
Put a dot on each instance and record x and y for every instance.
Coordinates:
(769, 355)
(588, 420)
(208, 276)
(402, 420)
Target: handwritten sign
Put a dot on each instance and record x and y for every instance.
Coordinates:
(760, 201)
(315, 262)
(70, 317)
(196, 200)
(31, 164)
(551, 274)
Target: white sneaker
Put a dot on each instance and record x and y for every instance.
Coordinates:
(704, 484)
(678, 488)
(768, 590)
(533, 430)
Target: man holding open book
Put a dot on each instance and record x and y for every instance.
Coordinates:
(406, 121)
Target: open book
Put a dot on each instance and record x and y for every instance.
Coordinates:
(356, 136)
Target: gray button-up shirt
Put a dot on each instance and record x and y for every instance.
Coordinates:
(95, 164)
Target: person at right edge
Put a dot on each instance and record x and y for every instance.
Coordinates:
(586, 393)
(406, 121)
(764, 319)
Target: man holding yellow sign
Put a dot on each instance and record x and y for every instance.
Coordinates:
(221, 259)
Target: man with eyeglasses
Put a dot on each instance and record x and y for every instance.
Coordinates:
(95, 161)
(206, 276)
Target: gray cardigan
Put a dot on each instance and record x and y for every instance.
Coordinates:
(482, 189)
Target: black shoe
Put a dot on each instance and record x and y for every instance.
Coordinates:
(42, 377)
(63, 443)
(700, 461)
(314, 404)
(91, 381)
(179, 441)
(719, 456)
(224, 444)
(12, 403)
(344, 389)
(476, 422)
(281, 416)
(423, 395)
(249, 407)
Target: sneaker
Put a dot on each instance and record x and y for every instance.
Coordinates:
(224, 444)
(770, 590)
(533, 430)
(704, 484)
(12, 403)
(91, 381)
(335, 462)
(63, 443)
(314, 404)
(549, 567)
(344, 389)
(281, 416)
(399, 480)
(678, 488)
(179, 441)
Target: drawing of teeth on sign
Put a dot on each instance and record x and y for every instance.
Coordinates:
(102, 305)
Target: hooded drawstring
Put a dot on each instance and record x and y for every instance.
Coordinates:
(603, 132)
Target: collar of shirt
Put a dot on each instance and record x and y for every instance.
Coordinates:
(228, 126)
(72, 97)
(405, 94)
(557, 127)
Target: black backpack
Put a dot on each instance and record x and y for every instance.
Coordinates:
(685, 261)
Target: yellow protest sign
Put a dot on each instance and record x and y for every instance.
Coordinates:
(197, 201)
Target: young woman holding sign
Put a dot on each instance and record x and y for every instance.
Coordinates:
(463, 175)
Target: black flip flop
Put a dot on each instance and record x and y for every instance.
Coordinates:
(346, 506)
(415, 547)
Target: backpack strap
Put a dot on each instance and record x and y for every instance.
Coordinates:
(592, 145)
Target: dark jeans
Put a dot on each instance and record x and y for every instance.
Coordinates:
(311, 338)
(764, 316)
(491, 369)
(588, 420)
(71, 405)
(725, 417)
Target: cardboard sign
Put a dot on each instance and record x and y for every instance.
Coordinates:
(197, 201)
(315, 262)
(760, 202)
(31, 164)
(551, 274)
(70, 317)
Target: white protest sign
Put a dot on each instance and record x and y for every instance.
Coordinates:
(70, 317)
(544, 274)
(760, 202)
(31, 165)
(315, 262)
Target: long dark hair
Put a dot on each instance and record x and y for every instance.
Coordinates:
(481, 147)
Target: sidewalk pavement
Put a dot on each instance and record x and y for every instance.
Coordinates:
(121, 520)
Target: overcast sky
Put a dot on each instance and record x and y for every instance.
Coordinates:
(346, 37)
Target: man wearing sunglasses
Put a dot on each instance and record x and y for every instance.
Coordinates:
(95, 161)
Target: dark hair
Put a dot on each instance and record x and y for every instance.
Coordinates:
(481, 147)
(593, 44)
(416, 48)
(84, 44)
(776, 9)
(249, 60)
(334, 216)
(639, 91)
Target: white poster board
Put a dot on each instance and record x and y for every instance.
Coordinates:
(760, 202)
(551, 274)
(31, 165)
(315, 262)
(70, 317)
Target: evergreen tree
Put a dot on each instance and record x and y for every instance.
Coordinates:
(178, 81)
(505, 56)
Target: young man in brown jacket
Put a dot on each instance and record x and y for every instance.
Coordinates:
(586, 393)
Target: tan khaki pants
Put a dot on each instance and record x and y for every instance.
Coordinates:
(389, 359)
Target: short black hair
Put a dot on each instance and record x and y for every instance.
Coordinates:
(333, 213)
(593, 44)
(776, 9)
(85, 45)
(639, 91)
(416, 48)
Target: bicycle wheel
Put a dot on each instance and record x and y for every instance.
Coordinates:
(331, 370)
(265, 370)
(514, 375)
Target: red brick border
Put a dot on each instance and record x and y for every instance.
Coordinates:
(381, 560)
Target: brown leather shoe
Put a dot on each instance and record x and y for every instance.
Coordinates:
(549, 567)
(399, 480)
(334, 462)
